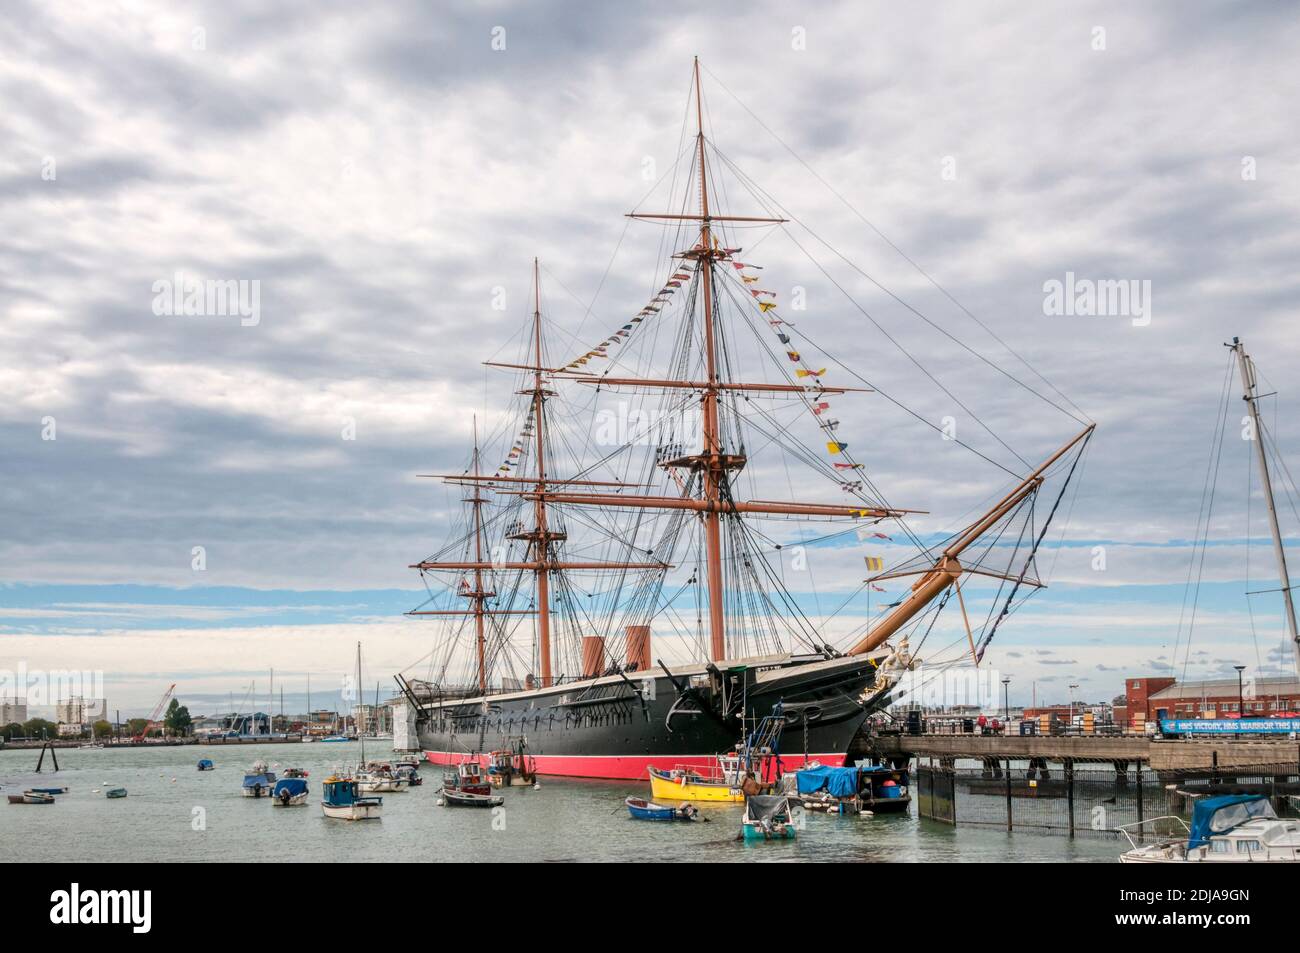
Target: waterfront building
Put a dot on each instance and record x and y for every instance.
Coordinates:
(1150, 699)
(78, 713)
(13, 711)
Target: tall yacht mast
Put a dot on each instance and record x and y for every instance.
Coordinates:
(1250, 394)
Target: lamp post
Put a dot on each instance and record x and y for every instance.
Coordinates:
(1006, 703)
(1241, 703)
(1071, 726)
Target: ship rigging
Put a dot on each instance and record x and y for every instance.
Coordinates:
(573, 550)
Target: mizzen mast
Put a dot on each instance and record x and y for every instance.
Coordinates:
(479, 595)
(540, 558)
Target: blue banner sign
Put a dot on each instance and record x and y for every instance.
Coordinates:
(1229, 726)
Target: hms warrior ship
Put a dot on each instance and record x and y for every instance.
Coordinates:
(613, 602)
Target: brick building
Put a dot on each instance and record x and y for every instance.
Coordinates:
(1149, 699)
(1137, 699)
(1217, 698)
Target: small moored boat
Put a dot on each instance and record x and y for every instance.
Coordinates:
(833, 790)
(511, 767)
(49, 790)
(884, 790)
(461, 799)
(289, 792)
(767, 817)
(115, 792)
(643, 810)
(33, 797)
(259, 781)
(375, 784)
(342, 801)
(408, 774)
(467, 779)
(205, 764)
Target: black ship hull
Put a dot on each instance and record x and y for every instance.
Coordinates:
(618, 726)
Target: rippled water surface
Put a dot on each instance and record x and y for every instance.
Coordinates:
(561, 821)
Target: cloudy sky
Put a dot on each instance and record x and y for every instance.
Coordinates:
(387, 174)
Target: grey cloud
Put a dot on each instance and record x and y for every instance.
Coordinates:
(1101, 164)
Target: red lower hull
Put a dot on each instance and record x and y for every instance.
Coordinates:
(619, 767)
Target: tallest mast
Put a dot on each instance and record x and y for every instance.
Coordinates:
(542, 538)
(714, 472)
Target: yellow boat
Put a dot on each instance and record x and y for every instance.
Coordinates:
(684, 783)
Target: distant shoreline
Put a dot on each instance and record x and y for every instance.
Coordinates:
(65, 743)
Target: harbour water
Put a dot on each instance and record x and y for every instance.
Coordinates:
(177, 813)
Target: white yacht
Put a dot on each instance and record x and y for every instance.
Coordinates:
(1229, 829)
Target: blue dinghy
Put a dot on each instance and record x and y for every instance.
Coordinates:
(643, 810)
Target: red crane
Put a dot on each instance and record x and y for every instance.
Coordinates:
(153, 715)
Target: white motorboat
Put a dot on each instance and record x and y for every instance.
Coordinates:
(376, 784)
(1228, 829)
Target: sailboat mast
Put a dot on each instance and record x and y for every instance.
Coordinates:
(356, 720)
(713, 472)
(543, 548)
(1250, 394)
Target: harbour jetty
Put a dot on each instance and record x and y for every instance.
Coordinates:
(1161, 755)
(1083, 784)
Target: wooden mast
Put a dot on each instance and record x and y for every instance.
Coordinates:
(713, 463)
(479, 596)
(540, 558)
(542, 541)
(714, 473)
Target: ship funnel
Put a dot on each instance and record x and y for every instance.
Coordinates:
(638, 648)
(593, 655)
